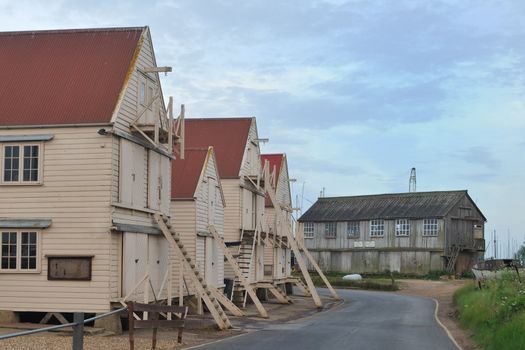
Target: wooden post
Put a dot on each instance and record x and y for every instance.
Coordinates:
(181, 284)
(78, 331)
(131, 321)
(170, 293)
(244, 281)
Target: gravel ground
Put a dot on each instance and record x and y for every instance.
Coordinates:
(166, 340)
(198, 331)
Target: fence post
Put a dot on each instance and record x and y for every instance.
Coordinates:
(78, 331)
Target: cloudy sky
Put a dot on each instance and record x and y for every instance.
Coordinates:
(355, 92)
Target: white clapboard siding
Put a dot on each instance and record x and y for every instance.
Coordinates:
(129, 107)
(76, 194)
(251, 162)
(183, 219)
(232, 211)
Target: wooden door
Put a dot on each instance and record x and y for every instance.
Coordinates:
(154, 189)
(247, 209)
(211, 200)
(132, 189)
(212, 256)
(158, 262)
(134, 259)
(259, 262)
(288, 261)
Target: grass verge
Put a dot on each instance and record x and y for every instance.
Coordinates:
(495, 314)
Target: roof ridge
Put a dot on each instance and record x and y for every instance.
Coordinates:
(395, 194)
(71, 31)
(220, 118)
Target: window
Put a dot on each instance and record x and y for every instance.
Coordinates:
(308, 230)
(377, 228)
(330, 229)
(430, 227)
(352, 229)
(21, 164)
(402, 227)
(142, 93)
(19, 251)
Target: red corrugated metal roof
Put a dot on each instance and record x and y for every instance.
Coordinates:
(228, 136)
(185, 173)
(64, 76)
(275, 162)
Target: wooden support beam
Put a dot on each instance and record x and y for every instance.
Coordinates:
(294, 246)
(249, 289)
(318, 269)
(227, 303)
(215, 309)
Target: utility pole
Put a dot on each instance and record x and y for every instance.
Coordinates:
(412, 181)
(495, 246)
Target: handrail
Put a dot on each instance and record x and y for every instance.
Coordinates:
(78, 327)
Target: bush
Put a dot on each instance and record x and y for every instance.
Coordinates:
(496, 313)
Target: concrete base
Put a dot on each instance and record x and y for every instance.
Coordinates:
(9, 317)
(111, 323)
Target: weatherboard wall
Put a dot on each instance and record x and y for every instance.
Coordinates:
(75, 195)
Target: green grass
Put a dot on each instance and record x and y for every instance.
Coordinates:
(372, 283)
(495, 314)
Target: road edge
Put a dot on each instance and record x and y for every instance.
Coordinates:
(443, 326)
(333, 305)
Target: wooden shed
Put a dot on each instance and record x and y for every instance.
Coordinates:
(236, 143)
(197, 201)
(85, 150)
(277, 252)
(411, 233)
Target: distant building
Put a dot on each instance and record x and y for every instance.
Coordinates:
(414, 233)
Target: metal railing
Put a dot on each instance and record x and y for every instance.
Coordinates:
(77, 324)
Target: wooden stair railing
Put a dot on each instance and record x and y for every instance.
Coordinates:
(192, 272)
(297, 247)
(238, 272)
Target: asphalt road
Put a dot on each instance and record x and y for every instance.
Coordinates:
(367, 320)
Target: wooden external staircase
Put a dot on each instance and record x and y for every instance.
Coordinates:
(239, 273)
(209, 294)
(453, 257)
(298, 248)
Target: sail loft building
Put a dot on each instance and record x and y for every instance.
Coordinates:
(411, 233)
(85, 151)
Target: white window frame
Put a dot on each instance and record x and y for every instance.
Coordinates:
(309, 230)
(21, 146)
(402, 228)
(352, 225)
(377, 228)
(38, 266)
(327, 232)
(430, 227)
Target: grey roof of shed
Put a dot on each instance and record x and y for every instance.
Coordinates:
(411, 205)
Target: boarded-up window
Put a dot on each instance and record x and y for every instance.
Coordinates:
(76, 268)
